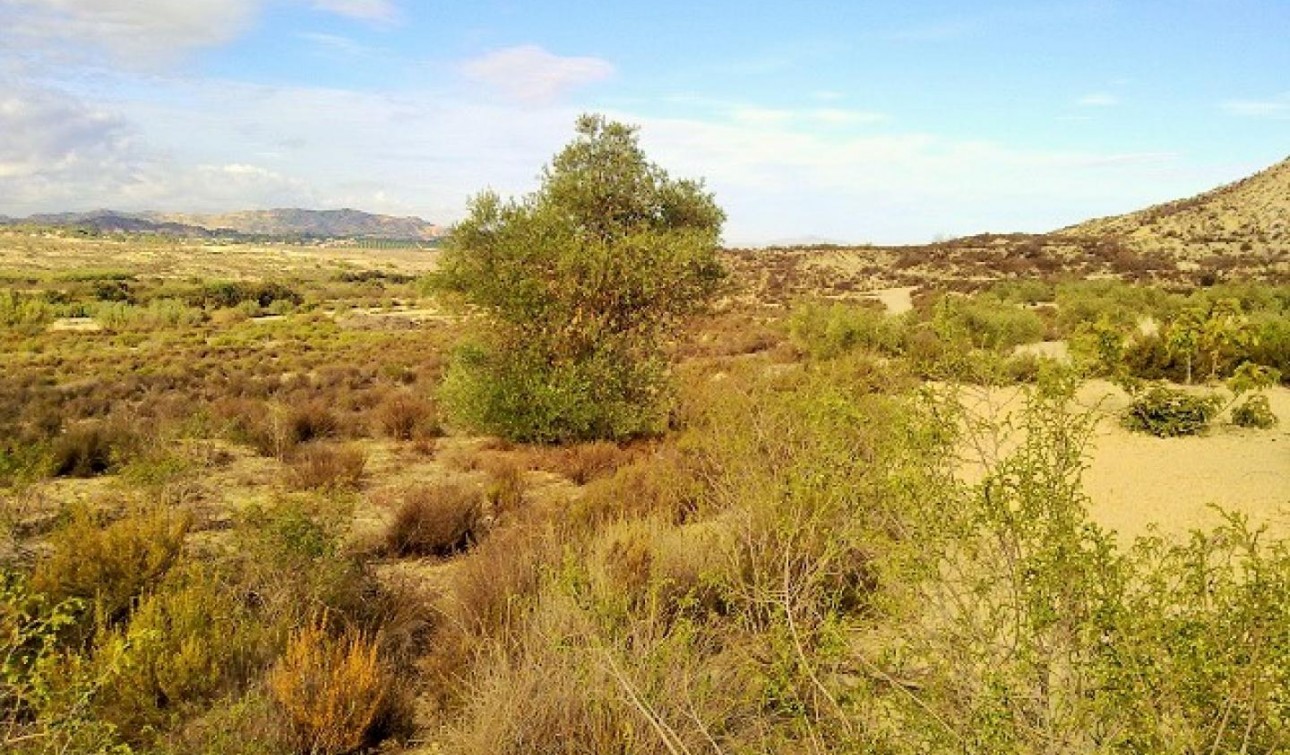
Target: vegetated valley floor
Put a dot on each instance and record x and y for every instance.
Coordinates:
(1133, 481)
(210, 380)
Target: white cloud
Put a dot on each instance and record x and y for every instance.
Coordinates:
(62, 153)
(137, 32)
(782, 179)
(530, 74)
(367, 10)
(1098, 99)
(1275, 107)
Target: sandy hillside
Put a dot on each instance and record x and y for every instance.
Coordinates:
(1247, 217)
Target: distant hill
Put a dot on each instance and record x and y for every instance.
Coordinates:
(107, 221)
(312, 223)
(1251, 215)
(284, 223)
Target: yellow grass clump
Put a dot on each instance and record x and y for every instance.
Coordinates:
(332, 689)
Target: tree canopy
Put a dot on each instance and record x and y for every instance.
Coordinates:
(581, 283)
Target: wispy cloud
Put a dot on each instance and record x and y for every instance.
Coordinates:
(1098, 99)
(939, 31)
(334, 43)
(530, 74)
(366, 10)
(1277, 107)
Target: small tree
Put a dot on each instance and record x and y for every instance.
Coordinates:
(581, 283)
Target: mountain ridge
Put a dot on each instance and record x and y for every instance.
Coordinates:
(274, 223)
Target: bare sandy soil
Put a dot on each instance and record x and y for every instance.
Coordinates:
(1135, 482)
(897, 300)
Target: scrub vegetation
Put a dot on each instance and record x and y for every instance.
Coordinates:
(296, 515)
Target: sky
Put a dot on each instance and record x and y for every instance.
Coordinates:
(886, 121)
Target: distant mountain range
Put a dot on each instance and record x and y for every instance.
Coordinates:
(282, 223)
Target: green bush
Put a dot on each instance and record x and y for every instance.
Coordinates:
(183, 646)
(1255, 411)
(826, 331)
(521, 395)
(1169, 412)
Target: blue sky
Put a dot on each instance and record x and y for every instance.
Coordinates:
(865, 121)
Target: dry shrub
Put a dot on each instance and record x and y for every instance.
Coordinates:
(587, 461)
(258, 424)
(658, 484)
(110, 564)
(311, 420)
(91, 448)
(332, 689)
(402, 416)
(326, 466)
(436, 520)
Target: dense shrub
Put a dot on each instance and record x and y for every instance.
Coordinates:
(522, 396)
(1169, 412)
(1254, 411)
(110, 565)
(183, 646)
(827, 331)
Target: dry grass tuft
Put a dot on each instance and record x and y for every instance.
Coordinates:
(403, 416)
(435, 520)
(325, 466)
(90, 449)
(506, 486)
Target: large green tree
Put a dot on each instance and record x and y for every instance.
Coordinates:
(581, 283)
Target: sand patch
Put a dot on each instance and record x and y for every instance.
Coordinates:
(1136, 481)
(897, 301)
(75, 325)
(1055, 350)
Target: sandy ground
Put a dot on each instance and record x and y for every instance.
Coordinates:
(1136, 481)
(896, 300)
(1058, 350)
